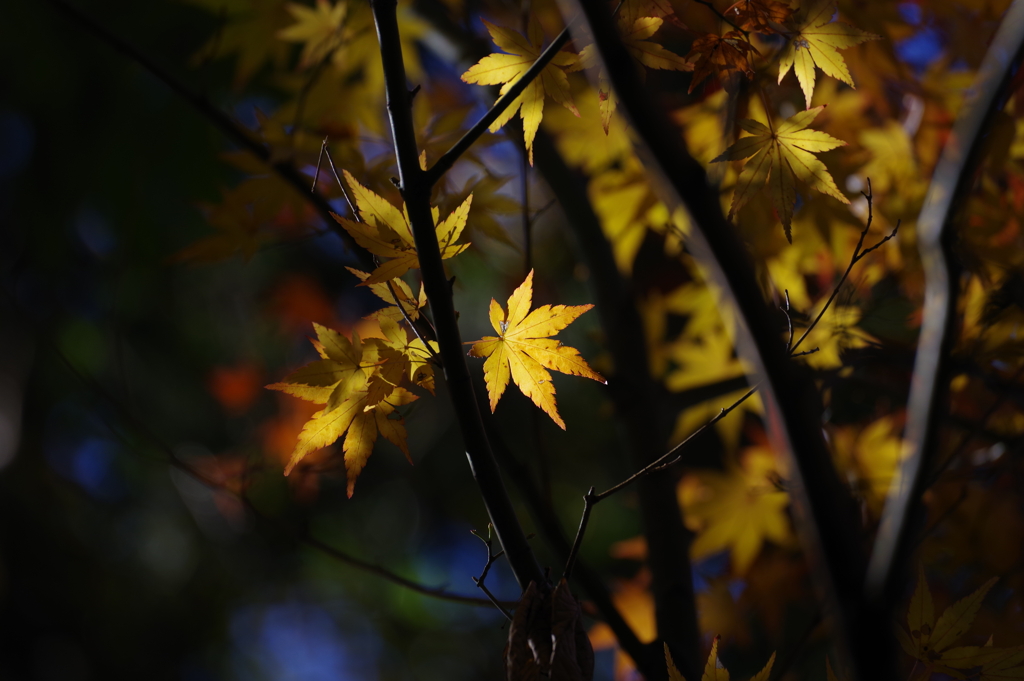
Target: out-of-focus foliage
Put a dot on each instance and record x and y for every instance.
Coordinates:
(158, 277)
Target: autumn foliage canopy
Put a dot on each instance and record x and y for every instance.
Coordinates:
(782, 238)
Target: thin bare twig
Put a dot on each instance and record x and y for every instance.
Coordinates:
(589, 499)
(858, 255)
(663, 461)
(789, 323)
(491, 557)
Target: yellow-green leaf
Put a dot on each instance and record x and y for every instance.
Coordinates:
(957, 618)
(505, 69)
(780, 156)
(523, 350)
(816, 41)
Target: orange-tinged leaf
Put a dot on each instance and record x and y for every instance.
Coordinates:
(763, 16)
(816, 41)
(729, 52)
(780, 156)
(385, 232)
(506, 69)
(523, 350)
(359, 385)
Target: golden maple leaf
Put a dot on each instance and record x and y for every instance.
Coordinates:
(319, 28)
(524, 350)
(816, 41)
(780, 155)
(737, 510)
(385, 232)
(358, 384)
(506, 69)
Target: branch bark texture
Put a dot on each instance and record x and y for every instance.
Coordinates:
(827, 518)
(415, 189)
(929, 386)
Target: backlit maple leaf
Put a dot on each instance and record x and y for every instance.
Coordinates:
(357, 383)
(780, 155)
(816, 41)
(737, 510)
(385, 232)
(729, 52)
(524, 350)
(506, 69)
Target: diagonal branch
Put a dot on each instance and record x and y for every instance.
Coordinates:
(416, 192)
(445, 163)
(232, 130)
(828, 515)
(929, 386)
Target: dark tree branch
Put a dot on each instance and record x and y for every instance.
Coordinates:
(826, 511)
(635, 395)
(232, 130)
(415, 189)
(929, 386)
(589, 500)
(479, 581)
(445, 163)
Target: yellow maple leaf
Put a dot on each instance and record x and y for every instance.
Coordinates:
(398, 295)
(779, 155)
(523, 349)
(635, 32)
(248, 30)
(358, 386)
(816, 41)
(931, 641)
(385, 232)
(506, 69)
(714, 670)
(737, 510)
(319, 28)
